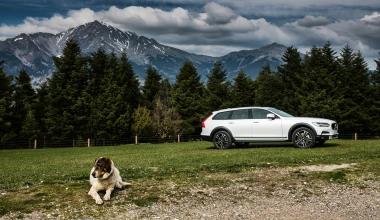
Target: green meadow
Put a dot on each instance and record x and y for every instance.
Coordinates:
(33, 180)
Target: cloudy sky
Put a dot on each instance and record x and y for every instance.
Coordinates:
(211, 27)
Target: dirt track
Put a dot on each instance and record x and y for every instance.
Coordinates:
(269, 193)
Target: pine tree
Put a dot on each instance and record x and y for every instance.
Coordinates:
(375, 76)
(30, 129)
(360, 90)
(24, 87)
(319, 95)
(128, 82)
(268, 89)
(40, 106)
(187, 96)
(68, 109)
(119, 95)
(128, 98)
(217, 88)
(347, 106)
(100, 94)
(5, 92)
(243, 90)
(22, 100)
(374, 106)
(291, 75)
(151, 86)
(104, 111)
(98, 66)
(331, 61)
(354, 89)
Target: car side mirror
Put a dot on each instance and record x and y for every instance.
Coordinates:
(271, 116)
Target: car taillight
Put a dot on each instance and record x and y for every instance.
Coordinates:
(203, 122)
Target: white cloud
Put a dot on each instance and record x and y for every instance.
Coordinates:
(311, 21)
(146, 18)
(373, 19)
(305, 2)
(218, 29)
(55, 24)
(219, 15)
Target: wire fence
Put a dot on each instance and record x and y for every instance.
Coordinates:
(40, 144)
(360, 136)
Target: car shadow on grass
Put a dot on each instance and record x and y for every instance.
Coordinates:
(273, 145)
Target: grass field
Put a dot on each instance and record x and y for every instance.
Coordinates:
(38, 179)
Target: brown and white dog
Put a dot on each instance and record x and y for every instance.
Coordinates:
(104, 176)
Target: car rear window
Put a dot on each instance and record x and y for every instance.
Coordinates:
(222, 116)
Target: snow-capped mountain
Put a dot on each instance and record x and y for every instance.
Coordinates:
(33, 52)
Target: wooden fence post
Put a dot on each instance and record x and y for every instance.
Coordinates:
(356, 136)
(88, 142)
(136, 140)
(35, 144)
(179, 139)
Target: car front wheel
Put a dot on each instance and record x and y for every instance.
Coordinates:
(303, 138)
(222, 140)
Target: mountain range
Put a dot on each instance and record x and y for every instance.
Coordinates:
(34, 52)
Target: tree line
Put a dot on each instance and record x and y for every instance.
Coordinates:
(99, 96)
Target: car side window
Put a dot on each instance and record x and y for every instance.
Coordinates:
(259, 113)
(222, 116)
(240, 114)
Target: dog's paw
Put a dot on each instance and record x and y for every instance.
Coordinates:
(99, 201)
(107, 197)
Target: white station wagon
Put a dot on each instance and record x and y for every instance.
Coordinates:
(258, 124)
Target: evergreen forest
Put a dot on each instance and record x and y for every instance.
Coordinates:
(100, 97)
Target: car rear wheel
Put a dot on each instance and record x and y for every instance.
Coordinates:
(222, 140)
(303, 138)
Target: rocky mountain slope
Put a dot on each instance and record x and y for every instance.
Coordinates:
(33, 52)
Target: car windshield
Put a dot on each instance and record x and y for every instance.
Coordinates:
(280, 113)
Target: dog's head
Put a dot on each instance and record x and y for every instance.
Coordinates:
(103, 168)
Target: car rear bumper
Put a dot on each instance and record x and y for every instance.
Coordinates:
(206, 138)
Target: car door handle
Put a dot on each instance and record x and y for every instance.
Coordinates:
(231, 122)
(256, 122)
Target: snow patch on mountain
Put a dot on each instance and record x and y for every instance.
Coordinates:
(34, 52)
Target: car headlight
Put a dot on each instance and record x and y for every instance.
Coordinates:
(321, 124)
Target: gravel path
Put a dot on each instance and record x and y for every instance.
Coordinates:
(268, 193)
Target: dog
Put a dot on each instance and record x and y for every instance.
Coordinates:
(104, 176)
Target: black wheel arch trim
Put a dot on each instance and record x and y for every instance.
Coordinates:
(294, 127)
(221, 128)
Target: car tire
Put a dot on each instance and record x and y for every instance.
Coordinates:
(222, 140)
(303, 138)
